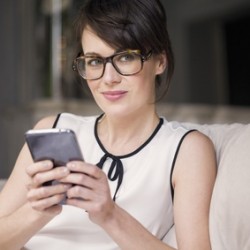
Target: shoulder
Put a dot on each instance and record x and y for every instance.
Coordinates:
(64, 119)
(196, 146)
(196, 143)
(174, 129)
(75, 122)
(196, 157)
(46, 122)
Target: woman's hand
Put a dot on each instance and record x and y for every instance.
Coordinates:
(46, 198)
(90, 191)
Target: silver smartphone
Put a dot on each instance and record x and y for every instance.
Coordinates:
(57, 145)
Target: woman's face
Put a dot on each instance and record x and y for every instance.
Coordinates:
(117, 94)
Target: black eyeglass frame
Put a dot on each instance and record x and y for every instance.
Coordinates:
(110, 60)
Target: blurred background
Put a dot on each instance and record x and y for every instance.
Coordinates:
(211, 83)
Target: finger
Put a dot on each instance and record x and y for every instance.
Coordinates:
(80, 179)
(81, 192)
(41, 166)
(47, 191)
(82, 167)
(54, 174)
(84, 204)
(44, 204)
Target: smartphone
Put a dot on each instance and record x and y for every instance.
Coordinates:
(58, 145)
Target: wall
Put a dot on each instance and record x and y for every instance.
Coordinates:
(200, 76)
(196, 28)
(18, 73)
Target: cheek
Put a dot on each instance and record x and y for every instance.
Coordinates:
(149, 82)
(93, 86)
(149, 79)
(150, 70)
(145, 85)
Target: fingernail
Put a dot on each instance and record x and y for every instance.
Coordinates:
(71, 165)
(47, 163)
(65, 170)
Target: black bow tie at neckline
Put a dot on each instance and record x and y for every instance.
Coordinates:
(115, 171)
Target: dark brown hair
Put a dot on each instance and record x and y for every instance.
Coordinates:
(130, 24)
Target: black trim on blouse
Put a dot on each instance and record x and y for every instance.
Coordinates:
(116, 169)
(56, 120)
(174, 160)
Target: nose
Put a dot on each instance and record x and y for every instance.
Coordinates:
(111, 75)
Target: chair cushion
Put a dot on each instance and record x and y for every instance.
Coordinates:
(230, 205)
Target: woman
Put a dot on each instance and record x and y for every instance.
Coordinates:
(141, 174)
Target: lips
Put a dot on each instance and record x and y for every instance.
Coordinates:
(114, 95)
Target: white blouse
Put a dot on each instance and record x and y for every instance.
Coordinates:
(145, 190)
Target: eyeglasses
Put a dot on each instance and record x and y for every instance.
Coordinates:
(126, 63)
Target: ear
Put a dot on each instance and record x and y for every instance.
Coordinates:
(161, 63)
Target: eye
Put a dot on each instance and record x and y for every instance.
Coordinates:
(128, 57)
(94, 62)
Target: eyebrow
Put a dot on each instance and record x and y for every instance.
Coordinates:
(92, 54)
(98, 55)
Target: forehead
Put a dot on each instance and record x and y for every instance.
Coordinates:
(91, 43)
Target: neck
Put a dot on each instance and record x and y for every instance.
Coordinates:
(125, 134)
